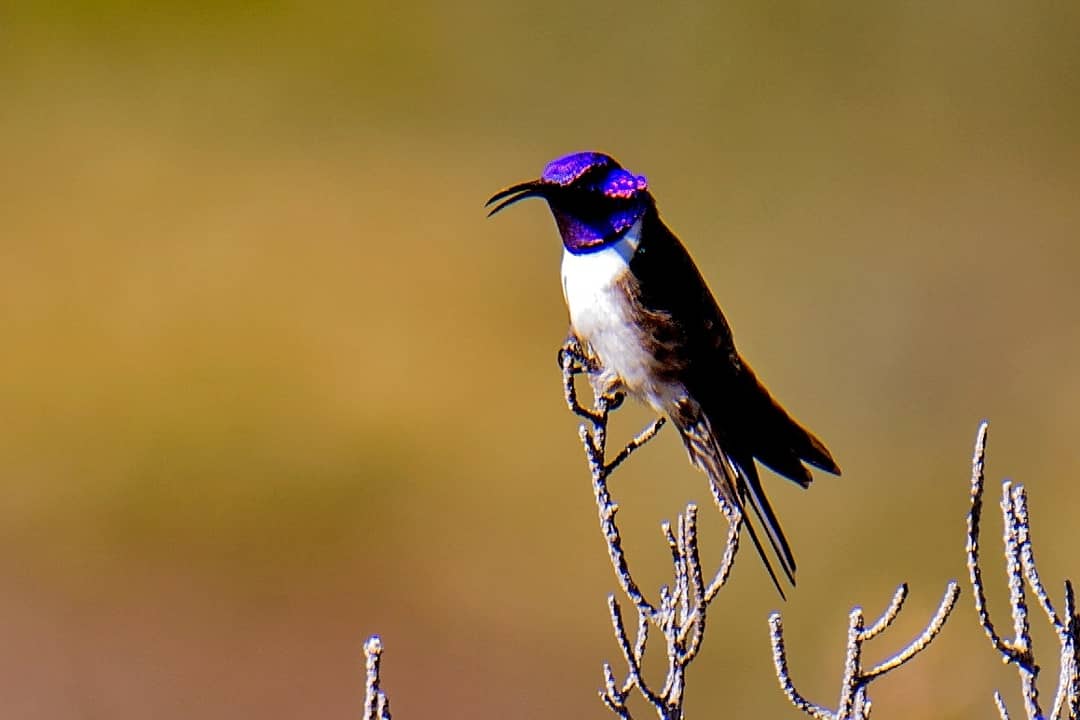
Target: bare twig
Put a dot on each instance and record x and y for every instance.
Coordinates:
(376, 703)
(1000, 704)
(854, 703)
(974, 516)
(1014, 567)
(681, 611)
(640, 439)
(1068, 694)
(1022, 575)
(891, 613)
(937, 622)
(1027, 555)
(614, 696)
(779, 652)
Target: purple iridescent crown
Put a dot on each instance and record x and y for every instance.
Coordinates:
(616, 182)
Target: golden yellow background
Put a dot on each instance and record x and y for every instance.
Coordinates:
(271, 382)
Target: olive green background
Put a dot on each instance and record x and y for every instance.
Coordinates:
(271, 382)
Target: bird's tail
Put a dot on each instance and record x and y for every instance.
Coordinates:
(738, 484)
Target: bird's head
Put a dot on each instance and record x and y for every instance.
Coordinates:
(593, 198)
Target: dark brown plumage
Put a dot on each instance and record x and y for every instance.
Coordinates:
(732, 415)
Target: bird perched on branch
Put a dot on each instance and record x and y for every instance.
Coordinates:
(639, 304)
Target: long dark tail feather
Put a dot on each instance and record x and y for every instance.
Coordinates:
(738, 482)
(749, 484)
(764, 556)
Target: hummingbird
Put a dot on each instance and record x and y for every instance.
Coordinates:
(640, 306)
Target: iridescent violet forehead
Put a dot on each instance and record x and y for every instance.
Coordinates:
(617, 183)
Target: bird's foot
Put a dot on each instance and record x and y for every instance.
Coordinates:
(613, 400)
(575, 360)
(607, 390)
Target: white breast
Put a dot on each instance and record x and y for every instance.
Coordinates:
(600, 311)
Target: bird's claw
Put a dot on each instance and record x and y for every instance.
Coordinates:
(613, 400)
(574, 359)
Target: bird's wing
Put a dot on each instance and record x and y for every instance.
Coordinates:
(728, 418)
(747, 421)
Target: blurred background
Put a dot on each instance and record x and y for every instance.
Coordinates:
(271, 382)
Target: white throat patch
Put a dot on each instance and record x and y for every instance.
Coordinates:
(585, 274)
(601, 311)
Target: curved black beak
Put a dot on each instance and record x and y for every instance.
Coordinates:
(521, 191)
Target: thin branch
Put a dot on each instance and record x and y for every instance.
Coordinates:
(862, 706)
(727, 562)
(640, 439)
(890, 614)
(693, 559)
(978, 462)
(1000, 703)
(631, 655)
(607, 510)
(849, 684)
(680, 614)
(1070, 658)
(1022, 574)
(1014, 568)
(639, 647)
(731, 546)
(613, 697)
(681, 593)
(573, 361)
(779, 653)
(854, 702)
(1027, 555)
(376, 703)
(937, 622)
